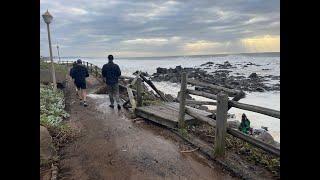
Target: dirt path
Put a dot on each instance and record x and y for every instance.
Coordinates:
(113, 146)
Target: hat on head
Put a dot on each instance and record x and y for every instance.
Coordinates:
(79, 61)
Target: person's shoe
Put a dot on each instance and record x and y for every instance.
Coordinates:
(81, 103)
(112, 106)
(85, 104)
(119, 107)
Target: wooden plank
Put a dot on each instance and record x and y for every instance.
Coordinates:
(200, 117)
(176, 110)
(166, 110)
(231, 92)
(221, 125)
(157, 119)
(200, 102)
(260, 144)
(258, 109)
(239, 96)
(169, 110)
(204, 94)
(131, 97)
(155, 114)
(176, 105)
(139, 91)
(182, 100)
(154, 88)
(135, 79)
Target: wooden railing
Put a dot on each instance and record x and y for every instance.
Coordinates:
(139, 79)
(219, 120)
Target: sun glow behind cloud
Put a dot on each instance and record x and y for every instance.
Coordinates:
(262, 44)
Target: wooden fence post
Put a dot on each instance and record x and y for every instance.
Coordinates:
(96, 71)
(139, 93)
(182, 103)
(87, 65)
(67, 63)
(221, 124)
(91, 67)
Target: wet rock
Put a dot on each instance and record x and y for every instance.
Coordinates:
(253, 75)
(205, 108)
(179, 68)
(207, 63)
(266, 137)
(234, 83)
(260, 89)
(161, 70)
(233, 124)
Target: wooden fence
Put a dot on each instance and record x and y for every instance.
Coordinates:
(219, 120)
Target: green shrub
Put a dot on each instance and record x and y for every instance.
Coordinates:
(51, 105)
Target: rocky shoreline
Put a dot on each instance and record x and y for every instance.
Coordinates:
(220, 77)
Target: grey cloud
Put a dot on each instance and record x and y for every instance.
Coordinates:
(96, 25)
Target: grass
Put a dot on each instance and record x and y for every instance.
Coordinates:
(58, 67)
(251, 153)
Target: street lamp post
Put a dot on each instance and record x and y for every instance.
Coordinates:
(47, 19)
(58, 54)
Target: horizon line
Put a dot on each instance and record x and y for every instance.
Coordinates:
(220, 54)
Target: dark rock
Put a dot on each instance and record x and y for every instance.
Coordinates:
(253, 75)
(260, 89)
(266, 137)
(145, 74)
(207, 63)
(161, 70)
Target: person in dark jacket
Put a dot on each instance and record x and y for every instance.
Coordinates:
(79, 73)
(111, 73)
(70, 73)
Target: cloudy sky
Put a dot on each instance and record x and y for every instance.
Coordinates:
(136, 28)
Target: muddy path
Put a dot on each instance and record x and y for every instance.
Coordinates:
(114, 146)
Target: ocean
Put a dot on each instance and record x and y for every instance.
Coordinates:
(269, 61)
